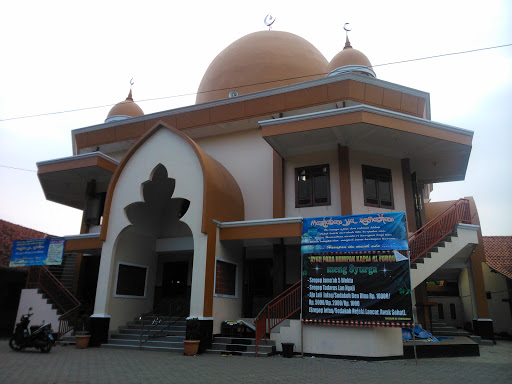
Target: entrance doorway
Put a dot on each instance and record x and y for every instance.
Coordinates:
(172, 293)
(174, 280)
(258, 286)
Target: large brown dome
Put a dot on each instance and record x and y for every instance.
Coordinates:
(124, 109)
(259, 61)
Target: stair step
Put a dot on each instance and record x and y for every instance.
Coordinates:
(158, 338)
(443, 328)
(238, 353)
(135, 331)
(144, 348)
(156, 327)
(457, 332)
(150, 343)
(147, 323)
(242, 347)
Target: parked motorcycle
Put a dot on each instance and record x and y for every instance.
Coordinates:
(39, 336)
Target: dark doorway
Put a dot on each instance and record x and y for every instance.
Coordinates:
(174, 296)
(418, 200)
(174, 281)
(88, 282)
(258, 286)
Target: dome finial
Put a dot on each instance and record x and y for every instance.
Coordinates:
(347, 41)
(269, 20)
(130, 94)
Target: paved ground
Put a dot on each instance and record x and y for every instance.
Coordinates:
(96, 365)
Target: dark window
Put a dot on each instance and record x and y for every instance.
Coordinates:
(378, 187)
(312, 186)
(225, 278)
(453, 312)
(440, 310)
(131, 280)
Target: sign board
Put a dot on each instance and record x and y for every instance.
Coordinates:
(351, 272)
(370, 232)
(364, 289)
(48, 251)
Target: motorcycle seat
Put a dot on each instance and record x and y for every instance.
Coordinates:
(34, 328)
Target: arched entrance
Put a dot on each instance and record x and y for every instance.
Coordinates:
(153, 255)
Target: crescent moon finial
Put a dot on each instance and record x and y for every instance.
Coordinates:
(132, 82)
(269, 20)
(347, 29)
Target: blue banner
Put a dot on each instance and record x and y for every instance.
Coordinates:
(369, 232)
(48, 251)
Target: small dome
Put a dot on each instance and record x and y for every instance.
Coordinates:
(259, 61)
(124, 110)
(354, 60)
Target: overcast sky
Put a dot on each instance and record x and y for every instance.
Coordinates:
(64, 55)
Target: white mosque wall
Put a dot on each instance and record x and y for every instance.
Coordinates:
(182, 164)
(42, 309)
(320, 158)
(137, 250)
(341, 341)
(250, 160)
(357, 160)
(228, 307)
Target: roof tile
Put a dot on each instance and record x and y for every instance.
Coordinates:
(10, 232)
(498, 254)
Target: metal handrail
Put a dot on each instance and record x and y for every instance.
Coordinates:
(40, 277)
(276, 311)
(425, 238)
(68, 321)
(155, 323)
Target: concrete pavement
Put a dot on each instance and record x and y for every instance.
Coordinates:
(96, 365)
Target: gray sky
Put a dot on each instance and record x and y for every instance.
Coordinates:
(62, 55)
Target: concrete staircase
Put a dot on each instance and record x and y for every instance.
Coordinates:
(66, 271)
(454, 248)
(443, 329)
(167, 336)
(241, 347)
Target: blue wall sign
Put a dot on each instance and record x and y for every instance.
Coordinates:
(370, 232)
(48, 251)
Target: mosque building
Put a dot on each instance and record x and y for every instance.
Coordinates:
(201, 207)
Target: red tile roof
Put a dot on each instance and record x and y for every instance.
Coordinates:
(498, 254)
(10, 232)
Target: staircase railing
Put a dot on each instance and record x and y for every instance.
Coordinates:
(421, 241)
(40, 277)
(276, 311)
(68, 321)
(178, 311)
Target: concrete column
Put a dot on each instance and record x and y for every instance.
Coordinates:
(409, 195)
(278, 269)
(344, 175)
(474, 305)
